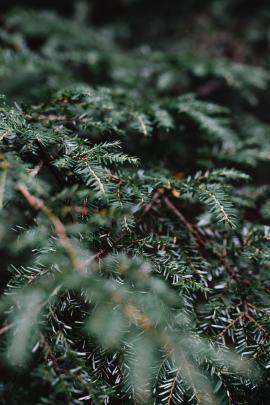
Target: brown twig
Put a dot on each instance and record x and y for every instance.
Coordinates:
(257, 324)
(59, 228)
(158, 193)
(34, 172)
(49, 352)
(233, 322)
(6, 328)
(197, 238)
(55, 362)
(193, 232)
(245, 315)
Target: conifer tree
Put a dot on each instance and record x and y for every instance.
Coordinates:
(134, 212)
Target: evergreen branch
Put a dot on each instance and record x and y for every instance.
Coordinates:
(39, 205)
(218, 204)
(102, 252)
(257, 324)
(155, 313)
(101, 186)
(197, 238)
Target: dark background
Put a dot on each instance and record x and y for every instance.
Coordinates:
(138, 11)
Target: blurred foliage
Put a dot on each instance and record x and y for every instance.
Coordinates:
(134, 202)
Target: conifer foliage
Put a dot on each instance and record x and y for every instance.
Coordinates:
(134, 232)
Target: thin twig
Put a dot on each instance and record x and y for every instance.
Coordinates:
(194, 234)
(245, 315)
(257, 324)
(34, 172)
(59, 228)
(233, 322)
(6, 328)
(197, 238)
(158, 193)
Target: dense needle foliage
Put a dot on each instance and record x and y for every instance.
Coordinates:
(135, 204)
